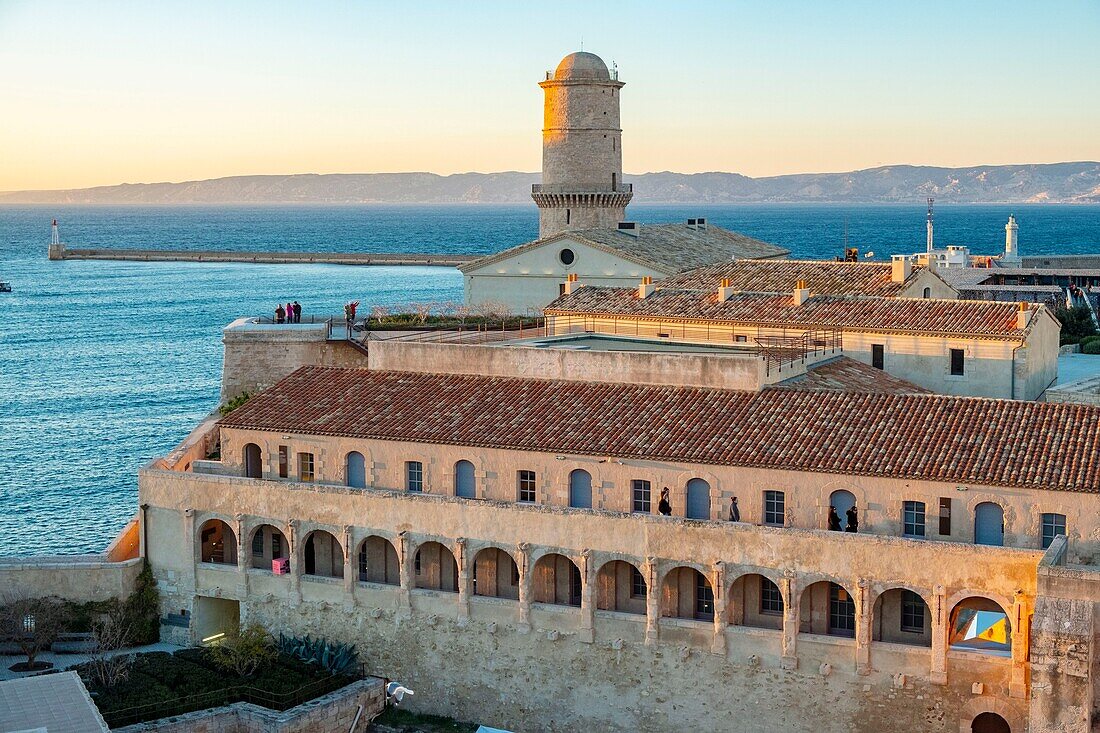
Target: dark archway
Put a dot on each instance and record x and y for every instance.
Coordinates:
(378, 561)
(990, 723)
(322, 555)
(687, 593)
(842, 500)
(253, 461)
(268, 545)
(435, 568)
(218, 543)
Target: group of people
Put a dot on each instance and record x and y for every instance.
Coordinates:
(289, 313)
(665, 507)
(853, 519)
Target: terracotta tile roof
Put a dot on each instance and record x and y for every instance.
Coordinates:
(982, 319)
(845, 374)
(932, 437)
(780, 276)
(667, 248)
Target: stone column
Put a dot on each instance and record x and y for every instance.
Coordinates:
(405, 563)
(524, 586)
(463, 578)
(790, 622)
(189, 533)
(718, 579)
(863, 626)
(652, 602)
(588, 595)
(1017, 681)
(295, 561)
(349, 567)
(938, 673)
(242, 557)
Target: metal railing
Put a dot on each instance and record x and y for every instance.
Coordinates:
(472, 334)
(565, 188)
(783, 352)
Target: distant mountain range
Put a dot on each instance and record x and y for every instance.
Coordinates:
(1043, 183)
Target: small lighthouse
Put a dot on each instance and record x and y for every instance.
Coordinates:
(57, 249)
(1012, 254)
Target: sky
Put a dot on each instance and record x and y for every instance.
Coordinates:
(100, 93)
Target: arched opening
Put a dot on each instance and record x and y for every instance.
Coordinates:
(621, 587)
(580, 489)
(698, 499)
(687, 593)
(378, 561)
(901, 616)
(218, 543)
(989, 723)
(980, 624)
(556, 579)
(322, 555)
(496, 574)
(842, 500)
(465, 482)
(355, 467)
(827, 608)
(989, 524)
(755, 601)
(268, 545)
(927, 293)
(434, 568)
(253, 461)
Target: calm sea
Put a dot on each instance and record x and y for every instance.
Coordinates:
(104, 365)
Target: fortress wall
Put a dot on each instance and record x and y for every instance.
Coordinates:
(77, 578)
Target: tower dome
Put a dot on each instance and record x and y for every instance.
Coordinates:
(582, 65)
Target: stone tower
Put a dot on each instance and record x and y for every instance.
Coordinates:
(582, 155)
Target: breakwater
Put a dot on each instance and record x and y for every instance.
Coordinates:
(268, 258)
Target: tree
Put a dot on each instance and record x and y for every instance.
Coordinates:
(1076, 323)
(247, 651)
(422, 310)
(32, 623)
(379, 313)
(110, 634)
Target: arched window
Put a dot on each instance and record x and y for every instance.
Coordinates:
(842, 500)
(268, 544)
(621, 587)
(496, 574)
(827, 608)
(755, 601)
(218, 543)
(901, 616)
(253, 461)
(435, 568)
(378, 561)
(928, 293)
(989, 524)
(557, 580)
(323, 556)
(687, 593)
(465, 483)
(698, 499)
(580, 489)
(980, 624)
(356, 470)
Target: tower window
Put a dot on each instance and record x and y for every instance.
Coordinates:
(614, 180)
(957, 362)
(567, 216)
(567, 256)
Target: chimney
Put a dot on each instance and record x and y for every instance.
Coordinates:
(900, 268)
(801, 292)
(629, 227)
(571, 284)
(725, 291)
(646, 288)
(1023, 315)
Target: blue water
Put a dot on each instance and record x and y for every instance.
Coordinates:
(104, 365)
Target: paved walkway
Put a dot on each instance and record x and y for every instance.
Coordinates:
(64, 661)
(1075, 367)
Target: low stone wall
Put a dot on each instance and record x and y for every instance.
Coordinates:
(79, 578)
(333, 713)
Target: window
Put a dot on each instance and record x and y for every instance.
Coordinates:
(1053, 525)
(258, 542)
(927, 293)
(704, 598)
(641, 492)
(912, 612)
(740, 338)
(773, 508)
(771, 600)
(284, 461)
(913, 518)
(561, 289)
(414, 476)
(842, 611)
(305, 466)
(416, 564)
(567, 216)
(877, 360)
(567, 256)
(957, 362)
(575, 586)
(945, 515)
(637, 583)
(526, 481)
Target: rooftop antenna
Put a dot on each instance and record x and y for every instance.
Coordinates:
(930, 201)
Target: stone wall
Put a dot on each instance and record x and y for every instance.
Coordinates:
(77, 578)
(332, 713)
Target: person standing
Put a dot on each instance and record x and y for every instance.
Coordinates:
(297, 312)
(834, 520)
(289, 312)
(735, 511)
(280, 313)
(853, 520)
(663, 507)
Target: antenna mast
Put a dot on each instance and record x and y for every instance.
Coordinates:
(930, 200)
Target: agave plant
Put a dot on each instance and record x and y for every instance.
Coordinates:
(336, 657)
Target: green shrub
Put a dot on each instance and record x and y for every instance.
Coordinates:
(337, 658)
(1076, 323)
(234, 403)
(245, 652)
(1092, 347)
(141, 610)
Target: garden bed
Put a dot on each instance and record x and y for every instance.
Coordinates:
(161, 685)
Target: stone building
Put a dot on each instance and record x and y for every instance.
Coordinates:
(582, 207)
